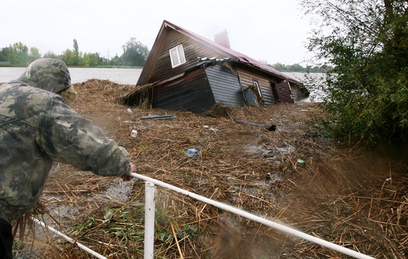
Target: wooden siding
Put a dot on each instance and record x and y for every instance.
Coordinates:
(192, 50)
(191, 93)
(247, 78)
(225, 85)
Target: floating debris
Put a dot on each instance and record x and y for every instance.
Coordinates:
(133, 133)
(158, 117)
(192, 152)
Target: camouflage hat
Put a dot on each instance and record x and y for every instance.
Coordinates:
(69, 94)
(48, 74)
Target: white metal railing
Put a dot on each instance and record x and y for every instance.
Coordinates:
(72, 241)
(150, 192)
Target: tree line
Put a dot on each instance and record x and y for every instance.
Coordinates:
(299, 68)
(134, 54)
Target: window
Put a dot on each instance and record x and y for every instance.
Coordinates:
(256, 84)
(177, 56)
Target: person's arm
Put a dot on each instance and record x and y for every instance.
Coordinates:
(69, 138)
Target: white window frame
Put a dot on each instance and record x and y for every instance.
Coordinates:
(177, 56)
(258, 88)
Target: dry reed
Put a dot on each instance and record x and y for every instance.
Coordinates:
(352, 198)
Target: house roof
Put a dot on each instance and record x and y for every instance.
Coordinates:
(229, 53)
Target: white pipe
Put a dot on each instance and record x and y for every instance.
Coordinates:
(88, 250)
(253, 217)
(150, 192)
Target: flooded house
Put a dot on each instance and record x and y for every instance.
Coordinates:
(185, 71)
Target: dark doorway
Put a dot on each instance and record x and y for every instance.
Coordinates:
(274, 92)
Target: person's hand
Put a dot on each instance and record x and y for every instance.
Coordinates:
(127, 177)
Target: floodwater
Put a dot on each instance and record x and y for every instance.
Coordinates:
(314, 82)
(79, 75)
(130, 76)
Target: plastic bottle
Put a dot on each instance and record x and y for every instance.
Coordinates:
(192, 152)
(133, 133)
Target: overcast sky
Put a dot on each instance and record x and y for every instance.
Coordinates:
(269, 30)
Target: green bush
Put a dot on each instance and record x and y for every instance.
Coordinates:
(366, 45)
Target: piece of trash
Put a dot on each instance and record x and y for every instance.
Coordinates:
(192, 152)
(271, 128)
(274, 178)
(108, 215)
(158, 117)
(301, 161)
(129, 110)
(266, 126)
(286, 150)
(210, 128)
(133, 133)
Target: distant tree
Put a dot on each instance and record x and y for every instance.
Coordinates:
(4, 53)
(69, 57)
(75, 58)
(51, 55)
(134, 53)
(317, 69)
(90, 60)
(18, 54)
(76, 48)
(116, 61)
(366, 44)
(279, 66)
(34, 54)
(94, 59)
(296, 68)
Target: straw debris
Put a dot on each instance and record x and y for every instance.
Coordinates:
(295, 175)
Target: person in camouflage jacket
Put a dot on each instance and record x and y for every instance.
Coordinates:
(38, 128)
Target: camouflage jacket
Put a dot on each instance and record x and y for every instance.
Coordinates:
(38, 128)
